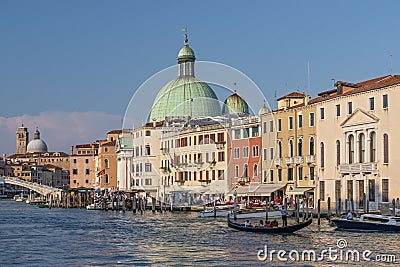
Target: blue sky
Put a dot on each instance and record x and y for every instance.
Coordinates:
(91, 56)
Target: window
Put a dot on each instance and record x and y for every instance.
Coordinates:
(246, 132)
(337, 110)
(245, 171)
(237, 134)
(337, 152)
(147, 167)
(255, 170)
(255, 151)
(246, 152)
(271, 175)
(372, 103)
(86, 161)
(147, 181)
(271, 153)
(254, 132)
(290, 123)
(300, 147)
(236, 171)
(87, 171)
(106, 180)
(106, 149)
(271, 126)
(322, 190)
(75, 171)
(265, 127)
(361, 147)
(371, 190)
(279, 125)
(385, 190)
(147, 150)
(279, 175)
(338, 188)
(300, 122)
(236, 153)
(351, 149)
(221, 137)
(87, 181)
(350, 189)
(312, 175)
(106, 163)
(290, 174)
(372, 147)
(220, 174)
(322, 113)
(385, 148)
(265, 151)
(385, 102)
(312, 146)
(279, 149)
(148, 133)
(300, 173)
(290, 148)
(221, 156)
(311, 119)
(74, 161)
(322, 155)
(349, 107)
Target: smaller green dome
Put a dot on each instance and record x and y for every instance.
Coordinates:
(186, 53)
(263, 110)
(235, 104)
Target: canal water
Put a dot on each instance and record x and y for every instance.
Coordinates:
(31, 236)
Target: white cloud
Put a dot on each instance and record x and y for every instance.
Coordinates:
(59, 129)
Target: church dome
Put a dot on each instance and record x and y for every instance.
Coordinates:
(37, 145)
(186, 95)
(235, 104)
(263, 110)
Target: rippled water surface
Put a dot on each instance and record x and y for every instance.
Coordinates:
(30, 236)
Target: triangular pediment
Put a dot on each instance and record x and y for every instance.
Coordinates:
(359, 117)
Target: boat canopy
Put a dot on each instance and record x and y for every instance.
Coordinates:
(299, 190)
(256, 190)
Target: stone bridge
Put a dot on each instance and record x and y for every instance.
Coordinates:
(39, 188)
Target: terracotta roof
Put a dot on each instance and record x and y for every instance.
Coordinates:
(87, 146)
(115, 132)
(110, 143)
(349, 88)
(35, 154)
(293, 95)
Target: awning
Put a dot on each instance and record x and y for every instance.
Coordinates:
(299, 190)
(2, 180)
(256, 190)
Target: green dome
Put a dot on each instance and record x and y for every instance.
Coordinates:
(186, 53)
(263, 110)
(185, 96)
(234, 104)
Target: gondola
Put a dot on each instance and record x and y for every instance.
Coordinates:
(269, 230)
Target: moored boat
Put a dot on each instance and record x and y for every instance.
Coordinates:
(269, 230)
(369, 222)
(210, 213)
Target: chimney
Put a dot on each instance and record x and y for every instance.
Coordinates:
(4, 158)
(306, 99)
(71, 150)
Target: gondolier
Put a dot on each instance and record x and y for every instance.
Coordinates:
(284, 215)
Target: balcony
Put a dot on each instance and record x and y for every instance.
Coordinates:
(278, 162)
(370, 167)
(220, 144)
(289, 160)
(298, 160)
(310, 159)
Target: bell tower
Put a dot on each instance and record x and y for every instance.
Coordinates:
(22, 138)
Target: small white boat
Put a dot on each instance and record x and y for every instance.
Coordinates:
(210, 213)
(94, 206)
(369, 222)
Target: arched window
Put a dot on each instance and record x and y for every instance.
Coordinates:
(236, 171)
(322, 155)
(106, 181)
(312, 146)
(337, 152)
(300, 147)
(147, 150)
(106, 163)
(351, 149)
(372, 147)
(255, 170)
(246, 171)
(279, 149)
(385, 148)
(361, 147)
(290, 148)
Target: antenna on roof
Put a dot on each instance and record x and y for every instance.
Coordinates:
(308, 78)
(391, 65)
(334, 81)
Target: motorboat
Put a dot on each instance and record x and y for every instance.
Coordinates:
(269, 230)
(210, 213)
(369, 222)
(94, 206)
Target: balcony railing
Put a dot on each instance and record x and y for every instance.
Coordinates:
(310, 159)
(298, 160)
(358, 167)
(289, 160)
(278, 162)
